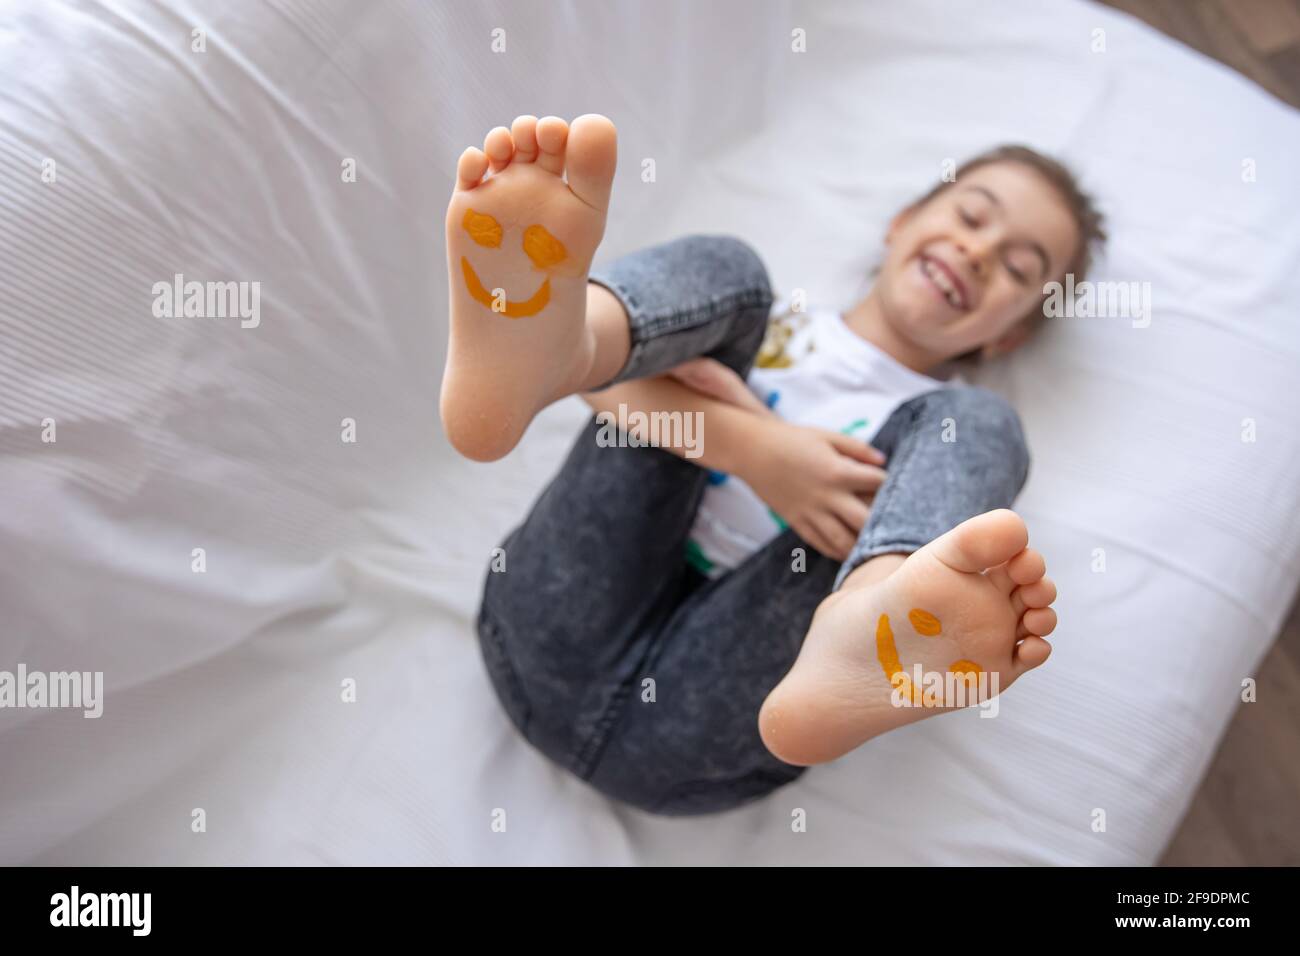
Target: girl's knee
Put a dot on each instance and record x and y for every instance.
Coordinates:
(971, 405)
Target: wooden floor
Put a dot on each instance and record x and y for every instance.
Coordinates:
(1257, 38)
(1247, 811)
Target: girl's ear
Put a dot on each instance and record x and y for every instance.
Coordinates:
(1012, 339)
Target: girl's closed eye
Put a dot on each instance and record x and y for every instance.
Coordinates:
(1020, 265)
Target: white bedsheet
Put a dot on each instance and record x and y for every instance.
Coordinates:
(329, 561)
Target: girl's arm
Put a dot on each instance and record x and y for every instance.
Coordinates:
(820, 482)
(722, 436)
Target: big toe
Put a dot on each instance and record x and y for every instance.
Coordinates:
(591, 155)
(982, 542)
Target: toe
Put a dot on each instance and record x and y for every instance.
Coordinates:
(1027, 567)
(470, 168)
(499, 147)
(591, 155)
(1030, 653)
(982, 542)
(524, 132)
(1039, 620)
(1040, 593)
(1001, 579)
(552, 133)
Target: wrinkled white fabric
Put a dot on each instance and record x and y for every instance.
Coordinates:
(329, 562)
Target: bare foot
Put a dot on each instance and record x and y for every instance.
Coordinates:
(519, 245)
(971, 608)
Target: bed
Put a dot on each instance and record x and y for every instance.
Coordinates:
(283, 617)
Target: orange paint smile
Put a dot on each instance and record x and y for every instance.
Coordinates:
(541, 247)
(926, 624)
(511, 310)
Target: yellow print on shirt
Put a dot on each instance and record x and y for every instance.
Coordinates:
(774, 352)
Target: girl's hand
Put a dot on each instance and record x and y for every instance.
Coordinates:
(710, 377)
(819, 482)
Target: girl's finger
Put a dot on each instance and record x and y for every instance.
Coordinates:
(812, 537)
(839, 537)
(856, 449)
(853, 512)
(859, 477)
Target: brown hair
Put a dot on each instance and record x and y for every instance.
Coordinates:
(1088, 220)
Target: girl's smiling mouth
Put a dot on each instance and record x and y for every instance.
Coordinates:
(945, 282)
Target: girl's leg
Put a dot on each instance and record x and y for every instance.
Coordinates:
(951, 454)
(693, 746)
(522, 229)
(694, 296)
(599, 563)
(696, 748)
(941, 604)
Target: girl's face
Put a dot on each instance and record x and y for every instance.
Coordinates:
(963, 270)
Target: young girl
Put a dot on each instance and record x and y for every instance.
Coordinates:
(660, 627)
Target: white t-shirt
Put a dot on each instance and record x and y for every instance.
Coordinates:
(811, 370)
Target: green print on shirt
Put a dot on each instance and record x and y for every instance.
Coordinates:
(696, 559)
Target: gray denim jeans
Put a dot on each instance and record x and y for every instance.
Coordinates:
(626, 667)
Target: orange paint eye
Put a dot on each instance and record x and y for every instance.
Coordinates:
(923, 622)
(543, 248)
(482, 228)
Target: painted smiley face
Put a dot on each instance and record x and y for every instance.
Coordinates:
(541, 247)
(927, 625)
